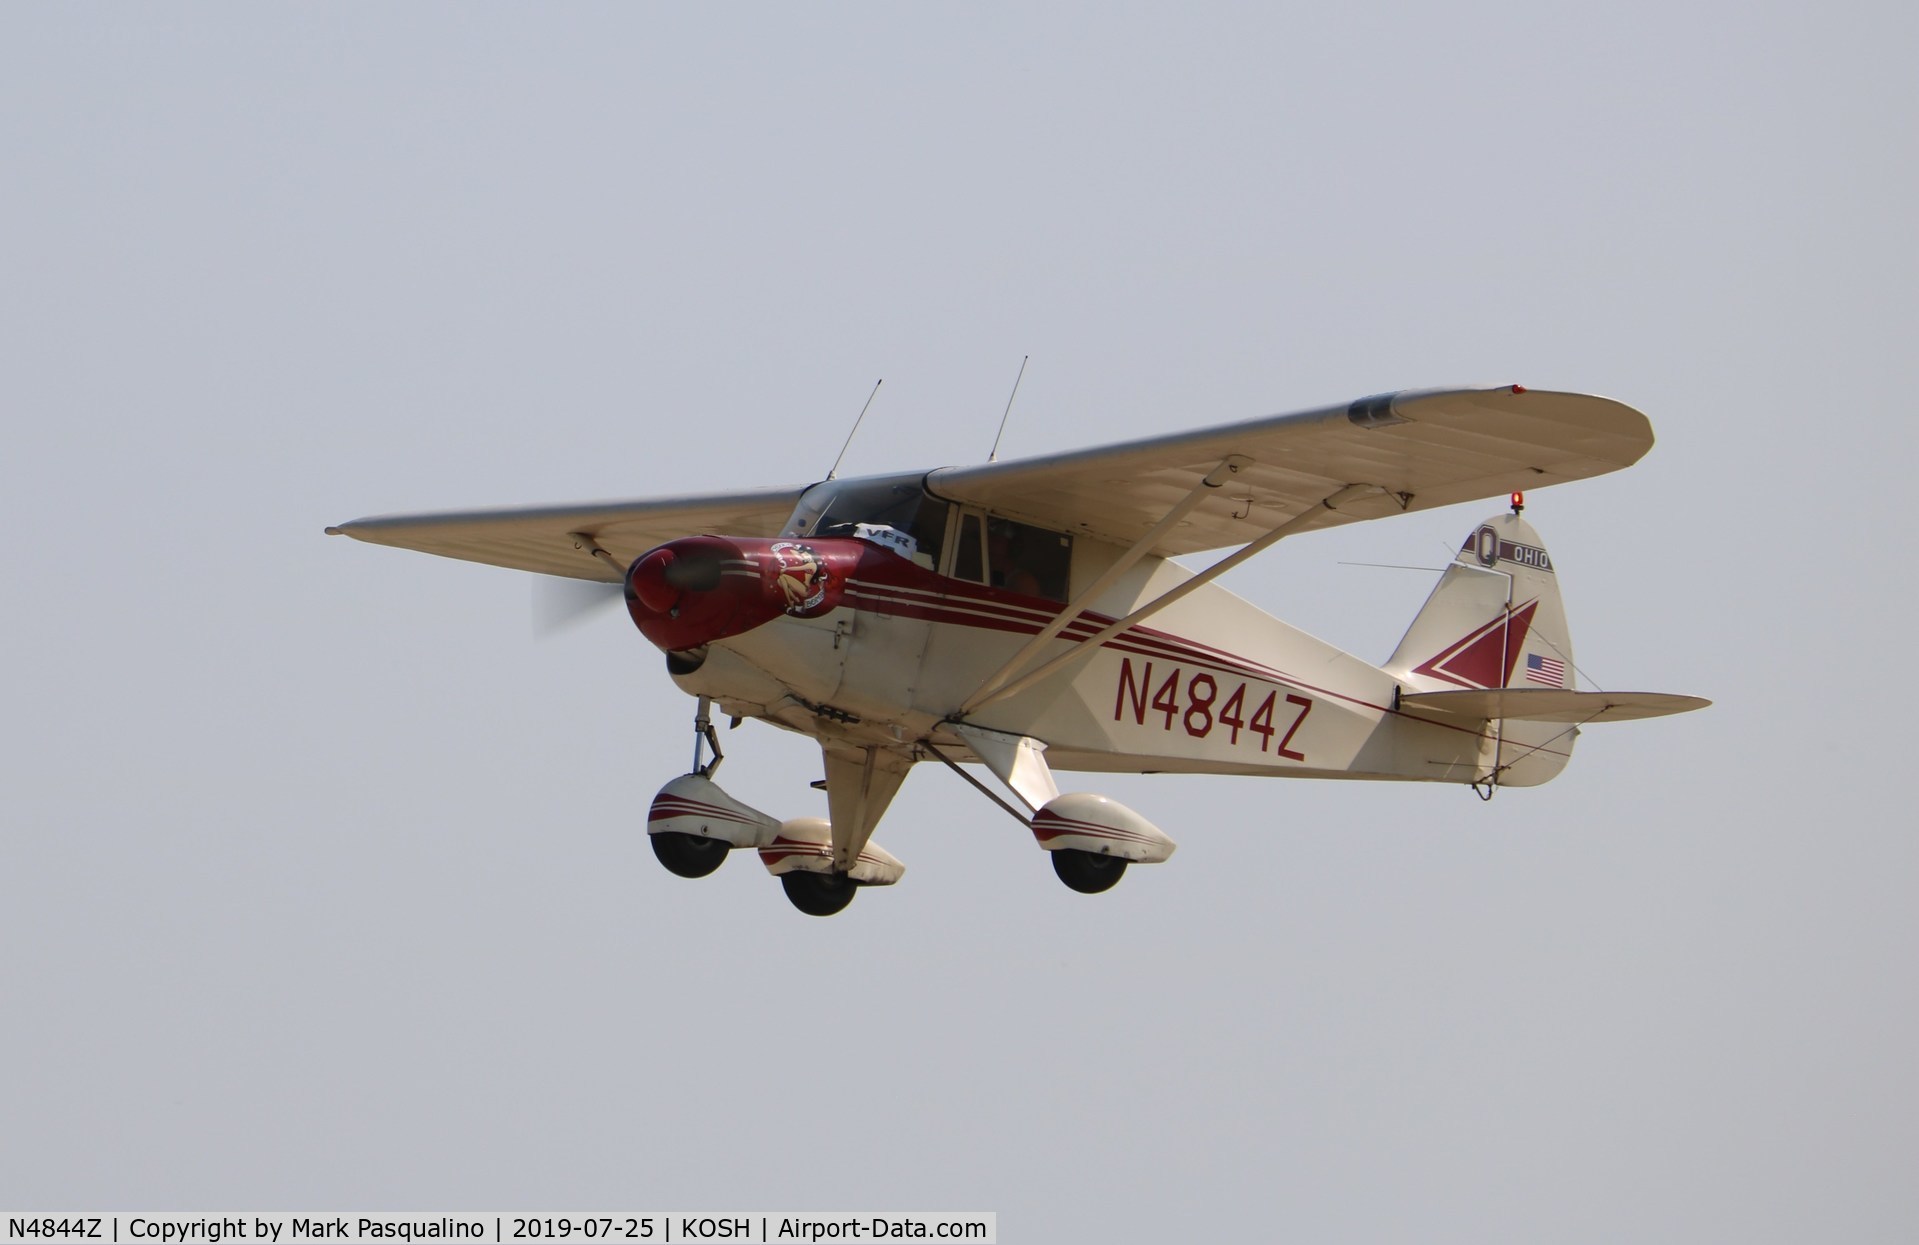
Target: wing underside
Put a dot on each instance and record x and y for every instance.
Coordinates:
(1412, 450)
(541, 538)
(1422, 449)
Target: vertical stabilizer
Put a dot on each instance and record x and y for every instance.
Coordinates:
(1495, 620)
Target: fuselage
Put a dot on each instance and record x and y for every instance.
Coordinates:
(881, 639)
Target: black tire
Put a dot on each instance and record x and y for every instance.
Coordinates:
(689, 855)
(819, 894)
(1089, 873)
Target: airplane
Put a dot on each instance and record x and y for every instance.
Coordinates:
(996, 616)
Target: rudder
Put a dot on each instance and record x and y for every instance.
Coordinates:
(1495, 619)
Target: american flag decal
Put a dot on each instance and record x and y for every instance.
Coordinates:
(1548, 670)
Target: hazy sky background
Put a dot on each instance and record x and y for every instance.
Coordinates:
(324, 886)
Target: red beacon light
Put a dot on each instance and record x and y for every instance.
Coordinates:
(1519, 501)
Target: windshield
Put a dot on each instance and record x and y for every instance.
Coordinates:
(834, 507)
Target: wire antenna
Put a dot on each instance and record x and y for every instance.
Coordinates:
(994, 456)
(856, 427)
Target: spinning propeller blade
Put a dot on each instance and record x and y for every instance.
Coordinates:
(559, 604)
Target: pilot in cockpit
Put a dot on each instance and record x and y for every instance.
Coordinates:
(1010, 558)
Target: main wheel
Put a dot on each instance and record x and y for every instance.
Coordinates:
(689, 855)
(1089, 873)
(819, 894)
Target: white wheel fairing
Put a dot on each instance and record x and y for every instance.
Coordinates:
(1102, 826)
(805, 845)
(694, 805)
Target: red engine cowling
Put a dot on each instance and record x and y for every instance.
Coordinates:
(698, 589)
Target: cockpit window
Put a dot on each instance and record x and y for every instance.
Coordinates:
(1032, 561)
(1028, 560)
(835, 507)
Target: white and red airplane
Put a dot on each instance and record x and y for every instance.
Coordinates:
(997, 615)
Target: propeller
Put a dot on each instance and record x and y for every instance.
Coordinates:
(663, 578)
(560, 604)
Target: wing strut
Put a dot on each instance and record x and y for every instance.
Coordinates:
(1228, 465)
(582, 541)
(988, 695)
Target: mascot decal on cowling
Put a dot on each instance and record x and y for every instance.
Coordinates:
(802, 578)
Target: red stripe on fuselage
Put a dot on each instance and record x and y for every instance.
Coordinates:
(989, 614)
(890, 585)
(986, 614)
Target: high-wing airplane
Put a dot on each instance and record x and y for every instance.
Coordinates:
(997, 615)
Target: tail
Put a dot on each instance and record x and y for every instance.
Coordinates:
(1495, 620)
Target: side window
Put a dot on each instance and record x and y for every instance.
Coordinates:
(929, 529)
(968, 561)
(1018, 557)
(1050, 555)
(1028, 560)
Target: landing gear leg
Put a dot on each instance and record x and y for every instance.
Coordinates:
(1018, 763)
(704, 737)
(713, 821)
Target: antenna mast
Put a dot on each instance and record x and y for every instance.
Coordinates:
(994, 456)
(856, 427)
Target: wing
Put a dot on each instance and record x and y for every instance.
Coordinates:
(539, 538)
(1425, 448)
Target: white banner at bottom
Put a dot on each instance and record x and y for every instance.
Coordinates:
(756, 1227)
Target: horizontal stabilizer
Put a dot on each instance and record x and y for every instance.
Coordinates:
(1550, 704)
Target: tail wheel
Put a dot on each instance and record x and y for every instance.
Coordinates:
(1089, 873)
(819, 894)
(689, 855)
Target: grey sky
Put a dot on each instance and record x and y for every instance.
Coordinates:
(325, 887)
